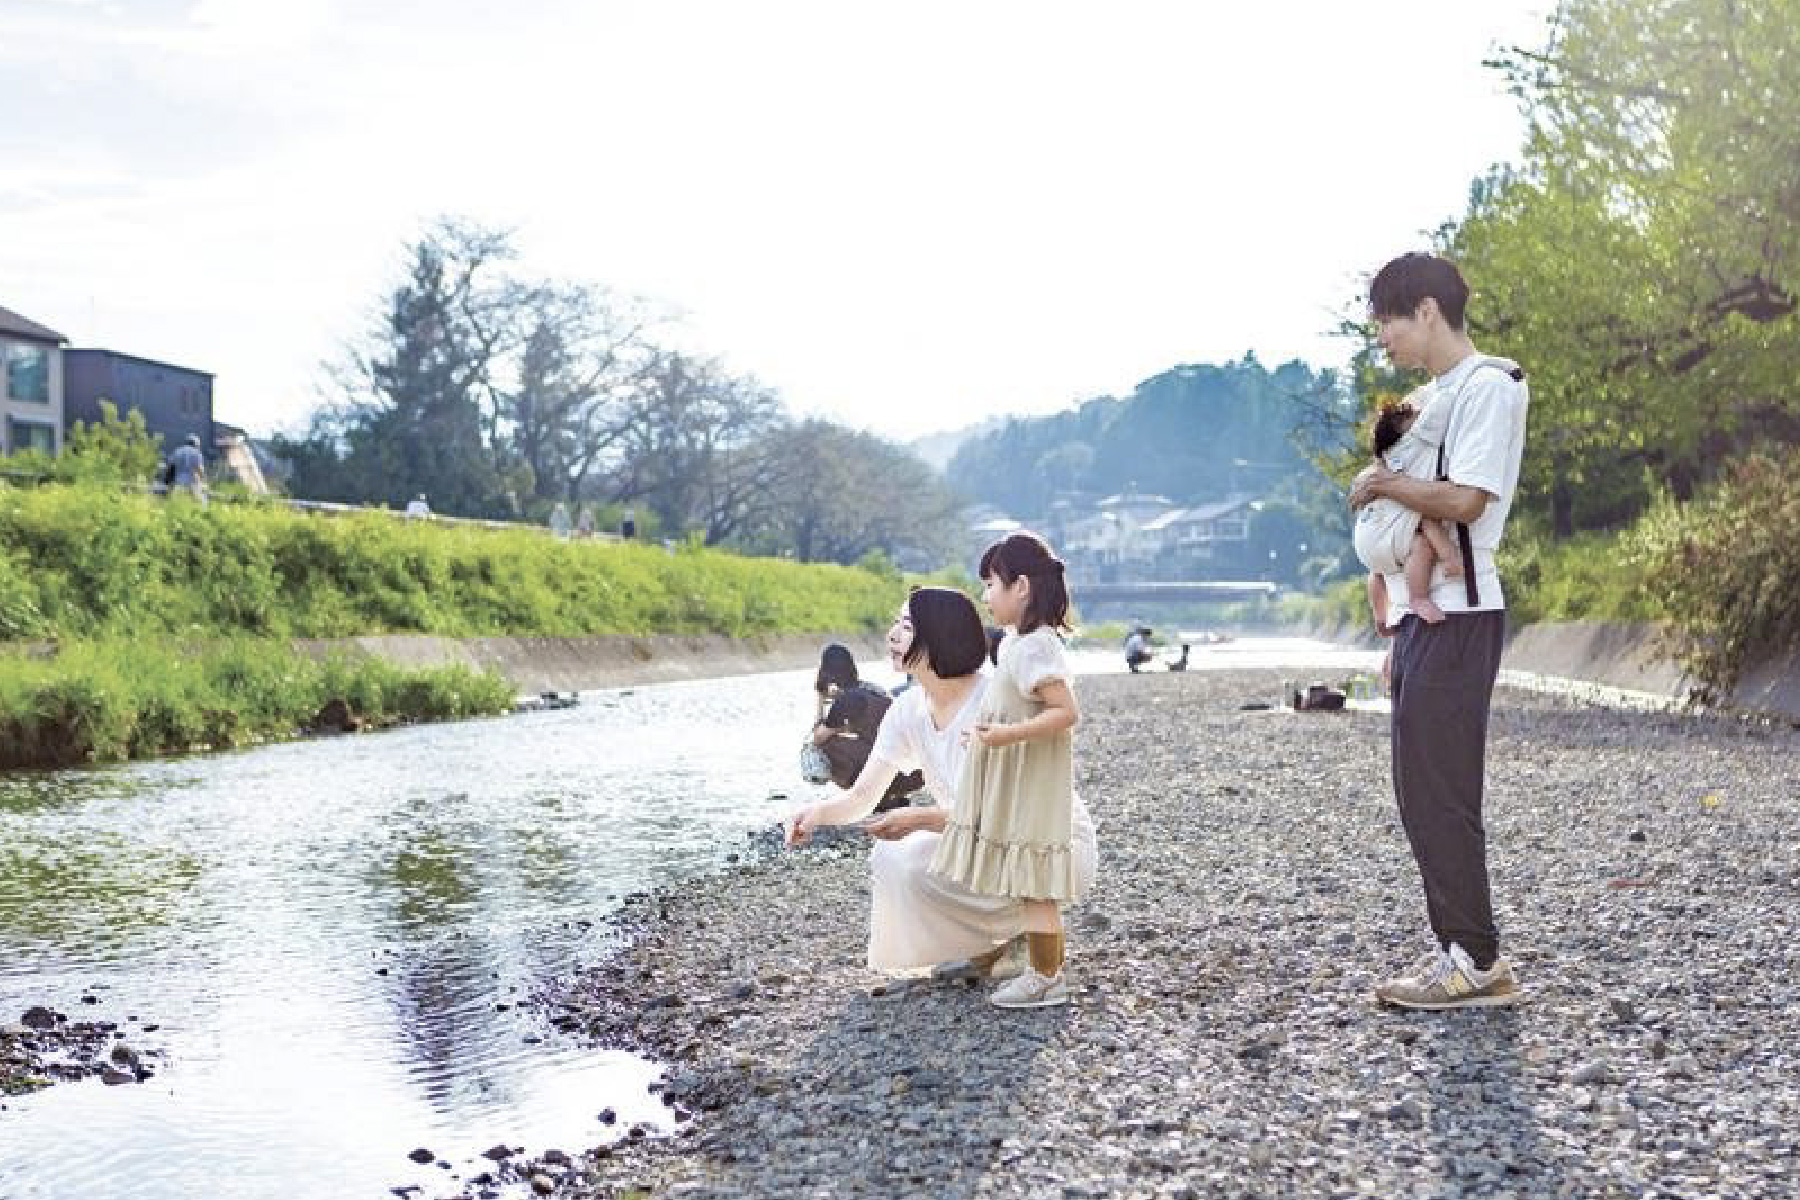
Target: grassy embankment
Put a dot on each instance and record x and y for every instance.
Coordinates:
(135, 627)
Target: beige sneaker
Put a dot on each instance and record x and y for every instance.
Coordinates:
(1031, 990)
(1450, 980)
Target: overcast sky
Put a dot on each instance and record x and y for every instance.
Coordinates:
(904, 216)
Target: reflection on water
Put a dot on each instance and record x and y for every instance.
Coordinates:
(334, 935)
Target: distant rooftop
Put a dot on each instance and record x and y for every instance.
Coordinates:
(18, 326)
(138, 358)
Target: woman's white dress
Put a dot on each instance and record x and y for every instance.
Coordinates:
(917, 919)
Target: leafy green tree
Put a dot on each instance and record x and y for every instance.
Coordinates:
(1642, 260)
(843, 494)
(418, 410)
(112, 448)
(1192, 433)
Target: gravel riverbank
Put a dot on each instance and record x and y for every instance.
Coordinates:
(1254, 882)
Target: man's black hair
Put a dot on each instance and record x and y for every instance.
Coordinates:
(1405, 283)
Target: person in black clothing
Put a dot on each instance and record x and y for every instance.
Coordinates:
(849, 713)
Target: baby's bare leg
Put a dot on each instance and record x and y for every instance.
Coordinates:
(1418, 577)
(1444, 547)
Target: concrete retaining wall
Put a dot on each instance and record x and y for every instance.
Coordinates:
(1617, 656)
(1620, 656)
(540, 664)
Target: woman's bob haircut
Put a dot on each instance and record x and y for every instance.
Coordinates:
(947, 632)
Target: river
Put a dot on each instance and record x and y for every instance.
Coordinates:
(333, 937)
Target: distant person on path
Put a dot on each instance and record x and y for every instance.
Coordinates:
(849, 716)
(1442, 675)
(1137, 647)
(584, 521)
(628, 526)
(1391, 537)
(917, 917)
(417, 509)
(188, 468)
(559, 521)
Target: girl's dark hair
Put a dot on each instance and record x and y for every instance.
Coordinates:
(1027, 554)
(836, 666)
(1390, 426)
(947, 632)
(1400, 287)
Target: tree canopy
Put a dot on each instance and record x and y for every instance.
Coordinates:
(499, 395)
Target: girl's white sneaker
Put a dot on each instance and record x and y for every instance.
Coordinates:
(1031, 990)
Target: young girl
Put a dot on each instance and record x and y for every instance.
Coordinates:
(1011, 829)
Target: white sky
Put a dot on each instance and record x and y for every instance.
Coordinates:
(903, 216)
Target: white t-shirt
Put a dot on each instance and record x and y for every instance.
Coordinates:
(907, 738)
(1484, 444)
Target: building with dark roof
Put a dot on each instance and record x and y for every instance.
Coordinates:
(175, 401)
(31, 385)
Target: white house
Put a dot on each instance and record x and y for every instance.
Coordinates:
(1192, 535)
(31, 385)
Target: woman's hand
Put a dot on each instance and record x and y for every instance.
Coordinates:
(800, 824)
(891, 827)
(822, 733)
(1387, 670)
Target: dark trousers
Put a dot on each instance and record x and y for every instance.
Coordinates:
(1443, 682)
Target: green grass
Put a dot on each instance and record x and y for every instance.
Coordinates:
(112, 700)
(144, 626)
(105, 564)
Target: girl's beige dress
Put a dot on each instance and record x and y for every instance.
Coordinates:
(1011, 829)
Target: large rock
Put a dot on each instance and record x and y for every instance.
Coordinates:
(335, 717)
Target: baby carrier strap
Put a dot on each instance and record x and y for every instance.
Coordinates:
(1516, 373)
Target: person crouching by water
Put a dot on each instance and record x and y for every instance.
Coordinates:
(919, 917)
(849, 713)
(1137, 647)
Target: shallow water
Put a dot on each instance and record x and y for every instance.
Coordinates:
(333, 935)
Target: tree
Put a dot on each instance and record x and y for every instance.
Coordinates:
(1643, 260)
(688, 445)
(843, 493)
(584, 353)
(112, 448)
(419, 411)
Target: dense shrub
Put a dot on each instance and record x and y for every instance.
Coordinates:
(104, 563)
(104, 701)
(1726, 569)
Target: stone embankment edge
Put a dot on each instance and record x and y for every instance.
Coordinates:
(543, 664)
(1616, 655)
(1611, 655)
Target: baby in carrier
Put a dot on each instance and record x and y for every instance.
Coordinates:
(1391, 538)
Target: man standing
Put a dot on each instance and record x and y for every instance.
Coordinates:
(1442, 675)
(189, 468)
